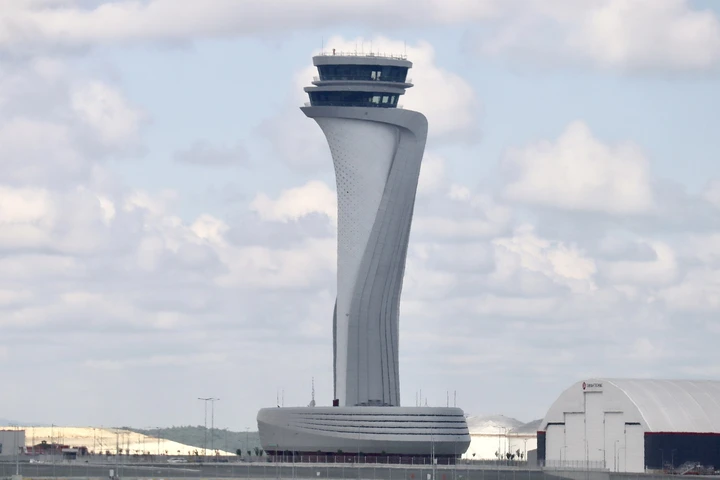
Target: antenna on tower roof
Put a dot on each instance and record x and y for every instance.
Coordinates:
(322, 45)
(312, 401)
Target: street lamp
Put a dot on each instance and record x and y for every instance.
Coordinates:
(615, 456)
(207, 399)
(17, 447)
(672, 459)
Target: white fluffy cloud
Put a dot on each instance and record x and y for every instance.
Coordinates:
(565, 265)
(661, 270)
(637, 35)
(578, 172)
(313, 197)
(433, 178)
(202, 153)
(107, 113)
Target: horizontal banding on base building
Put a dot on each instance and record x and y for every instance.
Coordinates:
(365, 431)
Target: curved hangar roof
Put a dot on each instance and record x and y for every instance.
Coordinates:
(691, 406)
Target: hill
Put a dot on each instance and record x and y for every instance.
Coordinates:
(226, 440)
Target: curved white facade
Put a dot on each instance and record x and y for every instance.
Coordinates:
(377, 154)
(362, 153)
(412, 431)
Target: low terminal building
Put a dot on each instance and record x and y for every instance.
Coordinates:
(12, 442)
(624, 425)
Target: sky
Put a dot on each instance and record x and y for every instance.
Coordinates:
(168, 214)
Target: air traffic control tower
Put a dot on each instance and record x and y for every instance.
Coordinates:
(377, 149)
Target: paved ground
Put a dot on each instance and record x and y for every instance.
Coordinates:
(269, 470)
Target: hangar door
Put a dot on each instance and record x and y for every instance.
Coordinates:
(554, 441)
(614, 441)
(574, 439)
(595, 429)
(635, 447)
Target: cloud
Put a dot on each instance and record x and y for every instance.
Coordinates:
(578, 172)
(36, 151)
(637, 36)
(294, 203)
(698, 292)
(433, 177)
(203, 153)
(56, 123)
(642, 35)
(659, 270)
(30, 26)
(712, 193)
(107, 113)
(565, 265)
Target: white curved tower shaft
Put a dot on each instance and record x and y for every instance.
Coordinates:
(377, 150)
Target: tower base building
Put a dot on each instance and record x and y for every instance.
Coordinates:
(314, 434)
(377, 149)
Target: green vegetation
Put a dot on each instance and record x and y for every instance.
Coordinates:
(221, 439)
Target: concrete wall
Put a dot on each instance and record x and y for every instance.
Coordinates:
(11, 441)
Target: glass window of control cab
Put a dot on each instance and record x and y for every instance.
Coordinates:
(376, 73)
(352, 99)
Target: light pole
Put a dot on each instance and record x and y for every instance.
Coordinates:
(17, 457)
(117, 453)
(615, 456)
(618, 458)
(206, 399)
(212, 423)
(672, 459)
(52, 446)
(432, 451)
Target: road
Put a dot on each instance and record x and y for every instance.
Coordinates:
(268, 470)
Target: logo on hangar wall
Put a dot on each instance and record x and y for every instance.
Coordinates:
(592, 386)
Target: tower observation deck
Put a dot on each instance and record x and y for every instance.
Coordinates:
(359, 80)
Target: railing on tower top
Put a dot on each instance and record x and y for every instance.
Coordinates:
(359, 78)
(336, 53)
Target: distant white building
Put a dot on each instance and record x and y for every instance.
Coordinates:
(494, 436)
(11, 441)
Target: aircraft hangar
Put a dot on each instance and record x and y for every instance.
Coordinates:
(633, 425)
